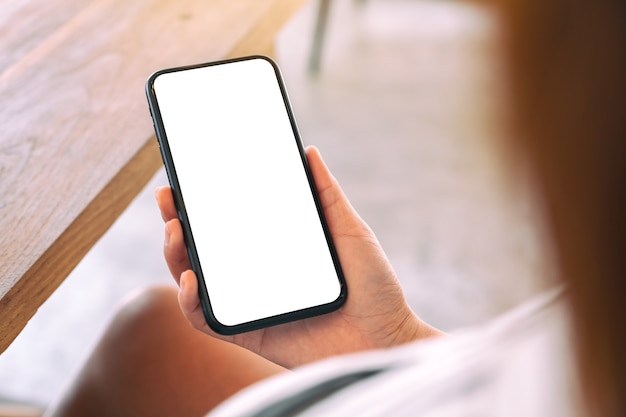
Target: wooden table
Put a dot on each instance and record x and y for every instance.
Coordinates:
(76, 139)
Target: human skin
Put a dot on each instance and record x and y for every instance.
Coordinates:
(151, 362)
(375, 315)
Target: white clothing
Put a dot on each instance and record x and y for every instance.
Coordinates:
(520, 364)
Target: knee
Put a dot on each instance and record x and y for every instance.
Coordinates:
(132, 352)
(147, 314)
(149, 303)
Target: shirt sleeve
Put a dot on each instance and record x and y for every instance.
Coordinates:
(517, 365)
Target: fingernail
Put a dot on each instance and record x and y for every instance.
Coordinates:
(181, 283)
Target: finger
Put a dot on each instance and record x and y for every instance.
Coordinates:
(325, 183)
(341, 217)
(165, 201)
(190, 302)
(174, 249)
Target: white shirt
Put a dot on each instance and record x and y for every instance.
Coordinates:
(520, 364)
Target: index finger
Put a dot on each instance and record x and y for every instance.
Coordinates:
(165, 201)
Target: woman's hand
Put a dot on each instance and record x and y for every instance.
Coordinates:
(375, 314)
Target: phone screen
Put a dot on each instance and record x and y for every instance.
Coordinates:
(253, 225)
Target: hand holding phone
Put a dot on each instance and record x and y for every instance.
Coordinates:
(253, 226)
(376, 315)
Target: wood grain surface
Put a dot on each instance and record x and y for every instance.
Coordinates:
(76, 140)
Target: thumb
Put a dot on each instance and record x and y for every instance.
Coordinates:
(341, 217)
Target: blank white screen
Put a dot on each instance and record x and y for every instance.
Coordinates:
(257, 233)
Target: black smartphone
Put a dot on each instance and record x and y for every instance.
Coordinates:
(252, 221)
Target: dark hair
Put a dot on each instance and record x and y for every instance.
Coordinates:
(567, 62)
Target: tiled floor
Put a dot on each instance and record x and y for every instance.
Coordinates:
(404, 112)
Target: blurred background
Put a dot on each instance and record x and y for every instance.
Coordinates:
(407, 112)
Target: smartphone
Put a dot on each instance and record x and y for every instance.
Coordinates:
(252, 221)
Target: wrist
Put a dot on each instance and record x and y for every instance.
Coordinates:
(412, 328)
